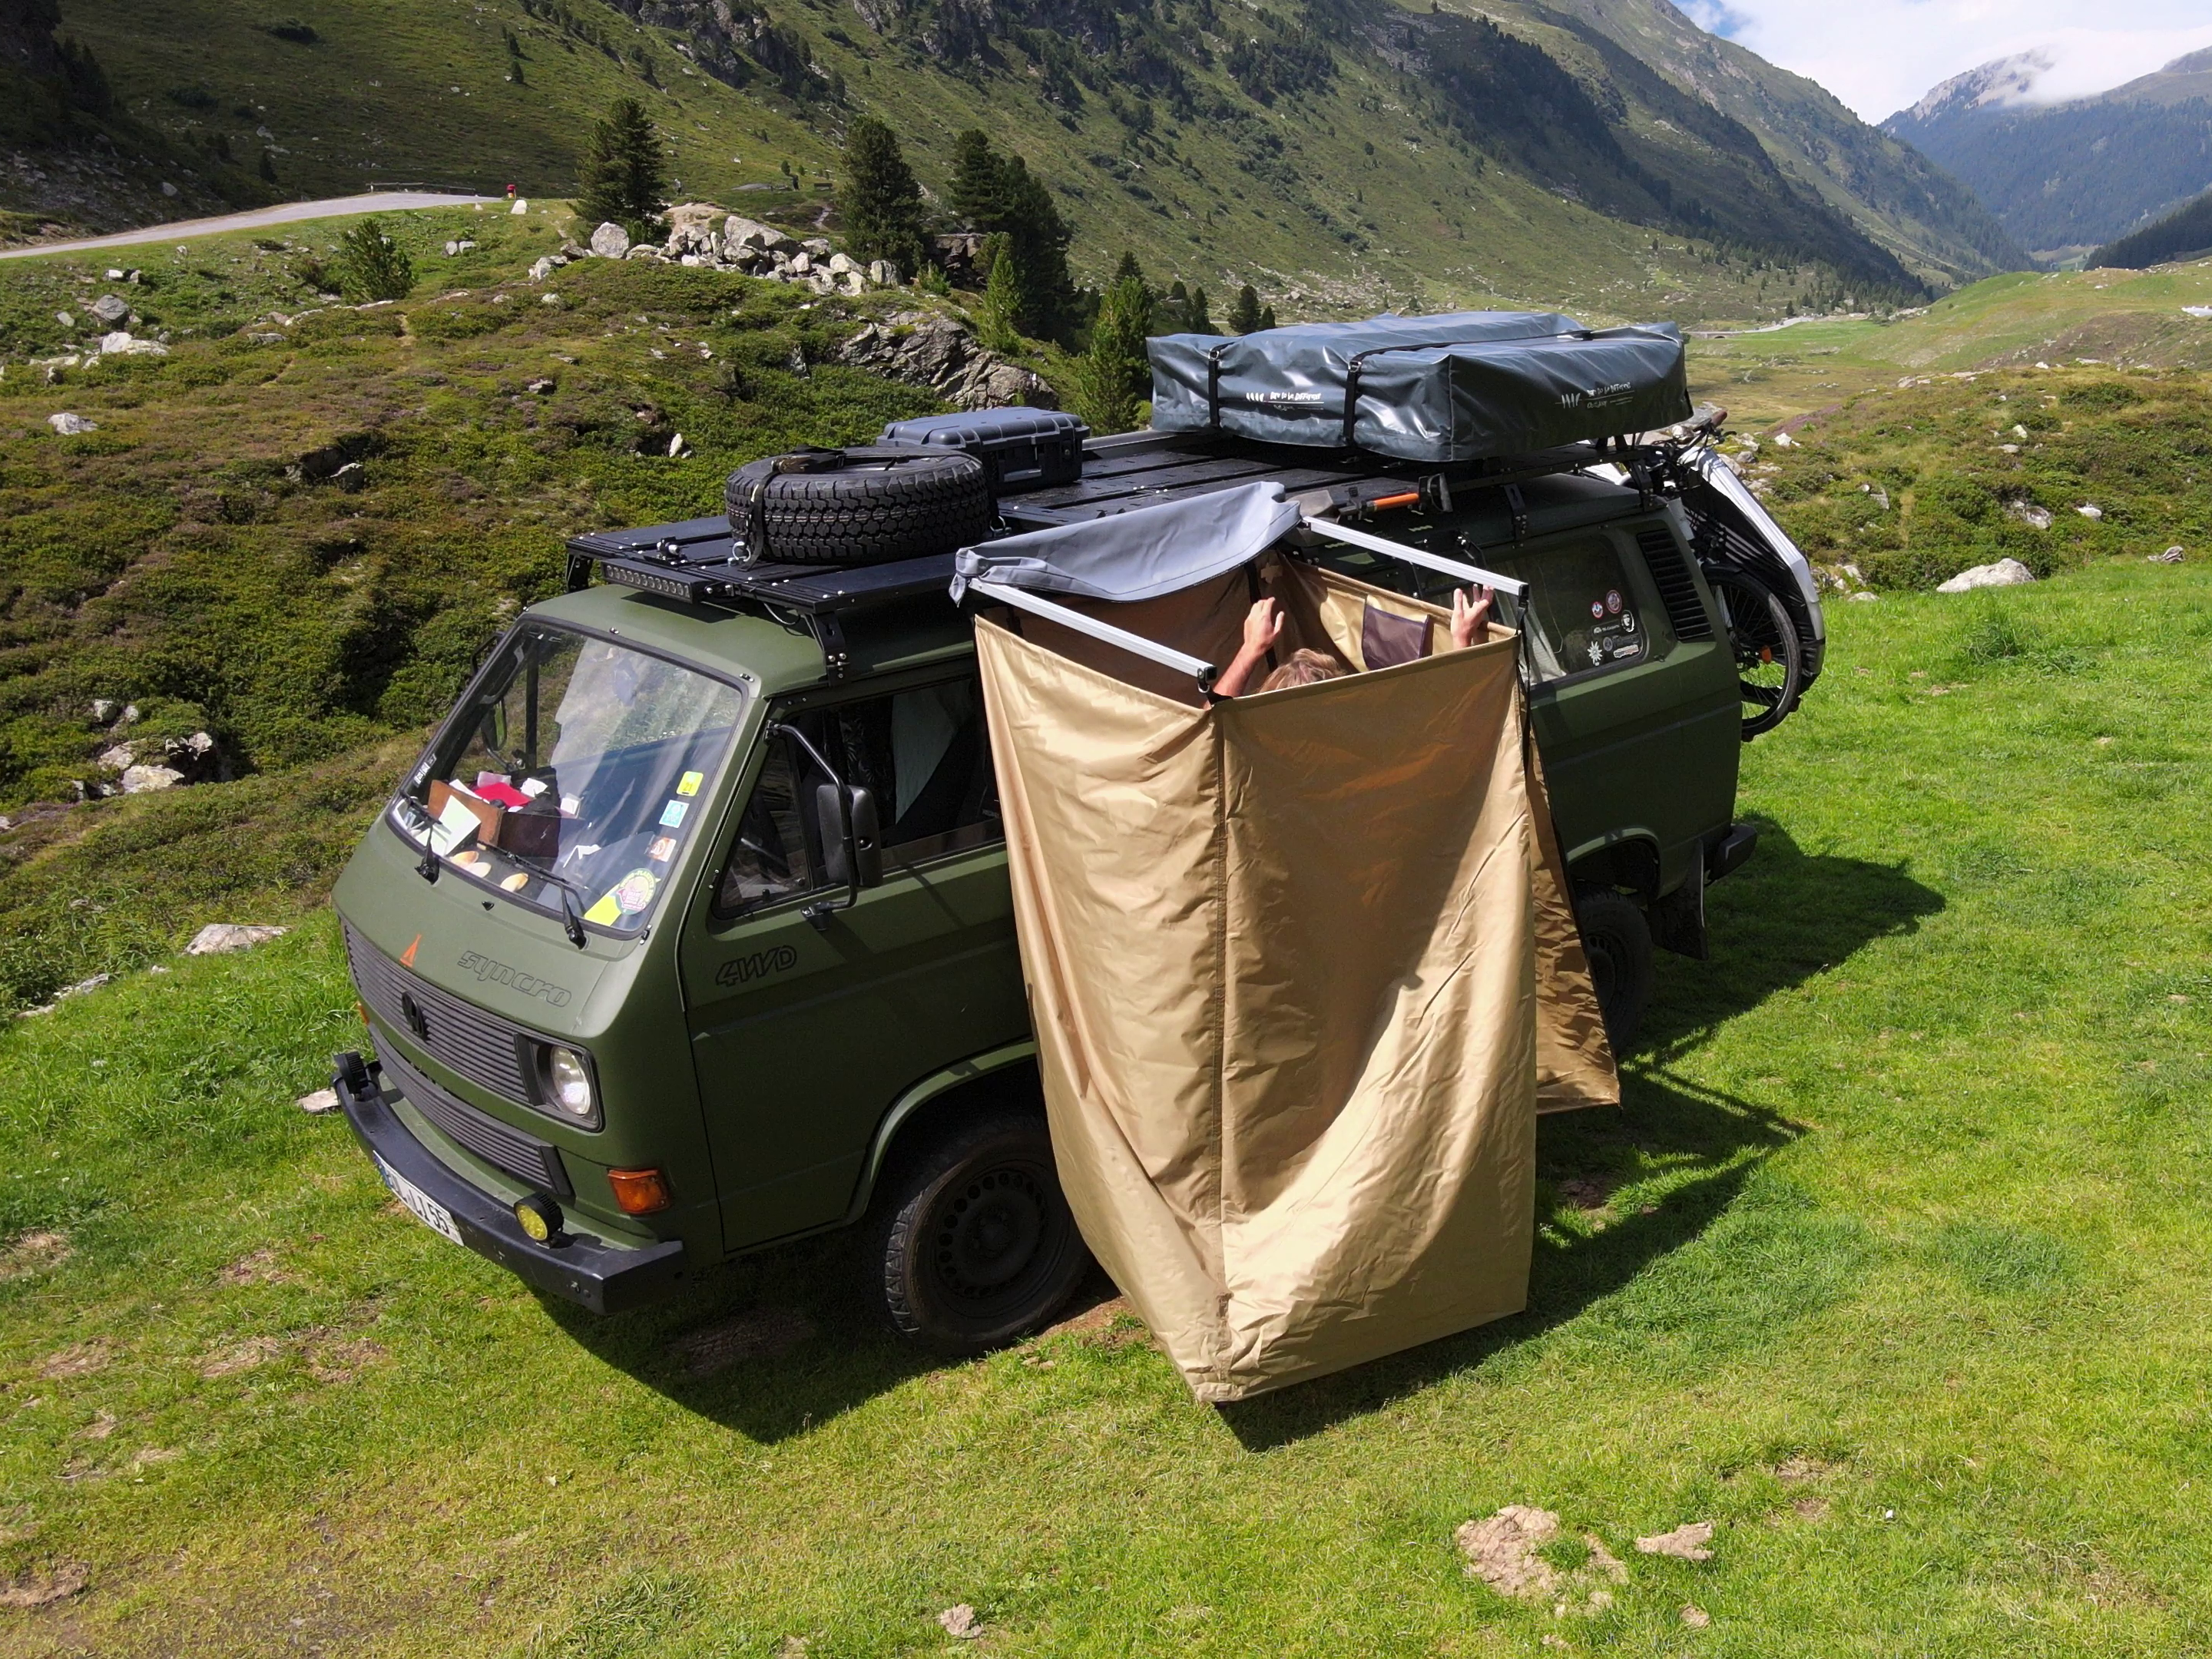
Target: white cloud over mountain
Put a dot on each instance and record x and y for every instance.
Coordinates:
(1881, 56)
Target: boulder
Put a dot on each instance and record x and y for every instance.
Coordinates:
(739, 233)
(841, 263)
(2090, 510)
(218, 937)
(2005, 572)
(111, 309)
(850, 282)
(2035, 517)
(610, 241)
(121, 344)
(70, 425)
(542, 269)
(521, 206)
(941, 355)
(145, 780)
(882, 273)
(801, 264)
(816, 246)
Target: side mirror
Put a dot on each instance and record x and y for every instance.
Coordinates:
(493, 727)
(860, 833)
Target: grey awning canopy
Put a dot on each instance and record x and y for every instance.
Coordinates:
(1138, 555)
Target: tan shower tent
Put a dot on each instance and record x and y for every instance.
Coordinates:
(1301, 964)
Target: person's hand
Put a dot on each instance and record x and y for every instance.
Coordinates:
(1470, 623)
(1263, 626)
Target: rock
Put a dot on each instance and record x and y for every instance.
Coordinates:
(2090, 510)
(82, 985)
(610, 241)
(521, 206)
(67, 320)
(2005, 572)
(218, 937)
(114, 274)
(316, 1104)
(145, 780)
(542, 269)
(647, 251)
(1685, 1543)
(2171, 556)
(351, 477)
(70, 425)
(676, 446)
(1784, 440)
(961, 1622)
(850, 282)
(801, 264)
(540, 388)
(121, 344)
(693, 228)
(1868, 598)
(816, 246)
(941, 355)
(103, 710)
(739, 234)
(841, 263)
(111, 309)
(548, 299)
(2035, 517)
(463, 246)
(882, 273)
(116, 759)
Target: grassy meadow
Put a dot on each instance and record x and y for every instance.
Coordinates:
(1892, 1266)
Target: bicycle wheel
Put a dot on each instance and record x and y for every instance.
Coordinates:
(1769, 658)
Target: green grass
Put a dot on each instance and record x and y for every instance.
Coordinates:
(2130, 318)
(1891, 1264)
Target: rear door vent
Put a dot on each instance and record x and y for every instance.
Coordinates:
(1677, 589)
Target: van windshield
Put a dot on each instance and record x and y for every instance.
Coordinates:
(577, 764)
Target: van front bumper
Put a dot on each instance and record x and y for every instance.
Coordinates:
(605, 1278)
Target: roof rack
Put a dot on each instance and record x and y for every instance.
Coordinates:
(690, 562)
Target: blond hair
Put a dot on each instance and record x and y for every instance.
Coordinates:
(1304, 668)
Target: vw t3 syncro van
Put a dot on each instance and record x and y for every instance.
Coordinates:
(691, 933)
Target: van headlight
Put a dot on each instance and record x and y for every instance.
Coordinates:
(564, 1083)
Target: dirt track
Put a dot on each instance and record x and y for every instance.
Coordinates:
(285, 213)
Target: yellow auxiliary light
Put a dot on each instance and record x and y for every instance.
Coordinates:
(539, 1218)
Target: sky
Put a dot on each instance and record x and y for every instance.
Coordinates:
(1881, 56)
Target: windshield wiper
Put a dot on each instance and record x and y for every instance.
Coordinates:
(572, 914)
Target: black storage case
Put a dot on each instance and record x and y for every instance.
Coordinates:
(1019, 448)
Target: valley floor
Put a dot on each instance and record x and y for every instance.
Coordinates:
(1892, 1266)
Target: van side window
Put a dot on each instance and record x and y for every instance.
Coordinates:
(1584, 612)
(923, 752)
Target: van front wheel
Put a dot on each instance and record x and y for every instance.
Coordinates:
(1617, 940)
(975, 1242)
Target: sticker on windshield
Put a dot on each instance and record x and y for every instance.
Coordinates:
(515, 883)
(1612, 601)
(662, 850)
(671, 816)
(690, 782)
(635, 891)
(606, 913)
(1597, 608)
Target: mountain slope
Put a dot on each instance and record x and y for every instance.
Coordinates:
(1347, 155)
(2064, 177)
(2187, 230)
(1889, 190)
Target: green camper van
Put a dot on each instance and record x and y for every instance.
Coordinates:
(690, 932)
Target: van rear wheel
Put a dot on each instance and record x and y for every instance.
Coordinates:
(1617, 939)
(975, 1242)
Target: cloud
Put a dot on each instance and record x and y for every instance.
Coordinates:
(1881, 56)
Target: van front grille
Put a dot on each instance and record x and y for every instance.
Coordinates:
(478, 1046)
(1677, 589)
(500, 1145)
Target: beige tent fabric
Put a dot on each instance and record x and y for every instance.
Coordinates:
(1284, 963)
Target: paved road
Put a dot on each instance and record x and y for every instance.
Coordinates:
(382, 200)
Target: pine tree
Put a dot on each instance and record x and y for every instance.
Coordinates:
(978, 188)
(1118, 338)
(1197, 319)
(1128, 268)
(882, 202)
(1245, 315)
(268, 168)
(1268, 317)
(372, 266)
(999, 324)
(625, 172)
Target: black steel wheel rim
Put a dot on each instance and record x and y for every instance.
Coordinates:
(991, 1233)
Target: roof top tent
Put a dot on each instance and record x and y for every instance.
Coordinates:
(1301, 963)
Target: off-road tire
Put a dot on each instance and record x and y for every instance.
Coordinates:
(859, 507)
(1617, 940)
(975, 1242)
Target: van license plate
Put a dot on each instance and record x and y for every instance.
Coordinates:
(427, 1210)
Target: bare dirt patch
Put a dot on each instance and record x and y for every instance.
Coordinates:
(259, 1268)
(241, 1357)
(30, 1253)
(761, 1334)
(41, 1590)
(78, 1360)
(1685, 1543)
(1507, 1552)
(341, 1360)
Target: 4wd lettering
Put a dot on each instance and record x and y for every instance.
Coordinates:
(557, 996)
(761, 963)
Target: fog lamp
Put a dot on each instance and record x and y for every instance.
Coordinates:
(540, 1217)
(566, 1083)
(640, 1192)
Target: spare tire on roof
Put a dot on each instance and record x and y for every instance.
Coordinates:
(863, 506)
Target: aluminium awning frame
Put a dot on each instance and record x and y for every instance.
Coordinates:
(1204, 673)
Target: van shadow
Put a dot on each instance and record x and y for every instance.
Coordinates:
(776, 1344)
